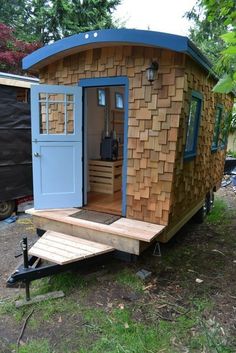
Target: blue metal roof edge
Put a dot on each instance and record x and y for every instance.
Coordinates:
(121, 36)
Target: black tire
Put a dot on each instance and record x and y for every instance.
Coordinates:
(201, 214)
(6, 209)
(212, 200)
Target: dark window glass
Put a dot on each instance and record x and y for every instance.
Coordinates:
(193, 125)
(218, 118)
(225, 126)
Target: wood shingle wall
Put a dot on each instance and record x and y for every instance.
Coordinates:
(194, 178)
(160, 185)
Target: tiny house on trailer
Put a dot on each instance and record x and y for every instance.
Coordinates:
(15, 141)
(125, 128)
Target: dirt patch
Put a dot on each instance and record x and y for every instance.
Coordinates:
(10, 249)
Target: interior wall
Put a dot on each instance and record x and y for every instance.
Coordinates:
(95, 124)
(96, 116)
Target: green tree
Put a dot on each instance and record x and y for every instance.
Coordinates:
(214, 31)
(204, 33)
(50, 20)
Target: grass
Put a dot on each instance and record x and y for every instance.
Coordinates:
(66, 282)
(122, 331)
(132, 328)
(119, 332)
(36, 346)
(46, 309)
(219, 214)
(128, 278)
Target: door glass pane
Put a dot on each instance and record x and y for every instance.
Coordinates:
(56, 97)
(70, 98)
(42, 118)
(70, 118)
(56, 118)
(56, 112)
(42, 96)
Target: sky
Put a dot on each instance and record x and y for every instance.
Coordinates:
(157, 15)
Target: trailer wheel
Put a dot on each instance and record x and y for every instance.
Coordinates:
(201, 214)
(210, 198)
(6, 209)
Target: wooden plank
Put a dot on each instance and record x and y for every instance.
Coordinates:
(101, 180)
(126, 222)
(111, 228)
(103, 237)
(100, 168)
(74, 241)
(100, 173)
(46, 255)
(62, 248)
(101, 163)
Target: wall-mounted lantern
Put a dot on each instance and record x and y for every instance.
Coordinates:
(151, 71)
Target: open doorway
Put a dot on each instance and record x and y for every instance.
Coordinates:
(104, 148)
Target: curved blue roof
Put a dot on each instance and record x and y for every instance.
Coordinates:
(96, 39)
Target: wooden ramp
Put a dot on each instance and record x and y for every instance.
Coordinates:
(124, 234)
(63, 249)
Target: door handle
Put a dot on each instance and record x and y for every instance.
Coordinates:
(36, 154)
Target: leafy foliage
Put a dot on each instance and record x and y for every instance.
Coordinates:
(50, 20)
(13, 50)
(214, 32)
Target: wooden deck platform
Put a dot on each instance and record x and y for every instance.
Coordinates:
(124, 234)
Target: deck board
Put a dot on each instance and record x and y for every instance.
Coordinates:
(62, 248)
(124, 228)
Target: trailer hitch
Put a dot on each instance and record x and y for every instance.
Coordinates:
(23, 268)
(30, 269)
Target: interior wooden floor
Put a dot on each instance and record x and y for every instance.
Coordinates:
(105, 202)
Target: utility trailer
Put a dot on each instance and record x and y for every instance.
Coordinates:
(127, 137)
(15, 142)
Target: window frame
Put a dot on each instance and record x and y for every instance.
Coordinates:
(195, 96)
(215, 147)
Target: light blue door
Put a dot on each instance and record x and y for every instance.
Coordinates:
(57, 146)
